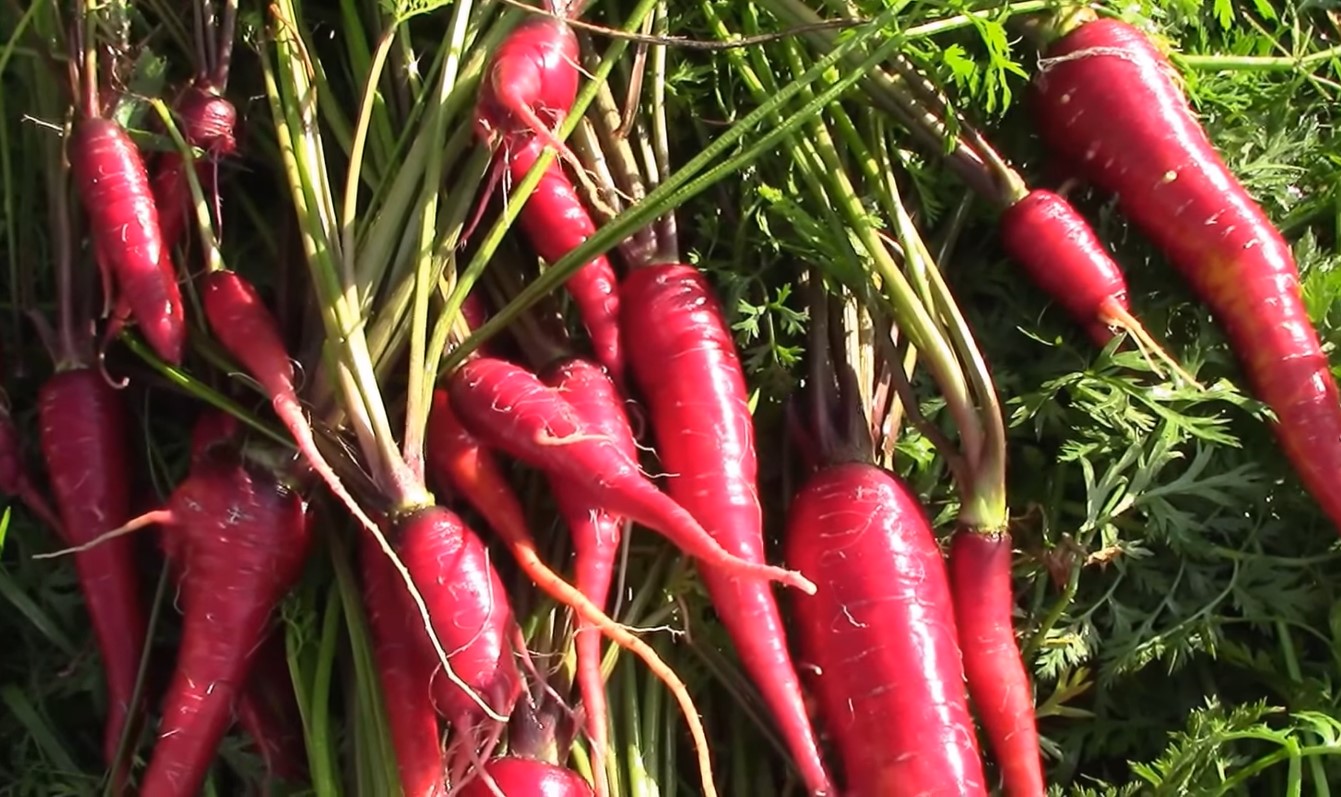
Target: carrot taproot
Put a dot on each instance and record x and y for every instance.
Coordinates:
(509, 408)
(85, 444)
(689, 373)
(469, 610)
(110, 176)
(1107, 102)
(556, 222)
(1063, 256)
(998, 684)
(458, 461)
(880, 636)
(245, 537)
(524, 777)
(530, 84)
(405, 671)
(595, 533)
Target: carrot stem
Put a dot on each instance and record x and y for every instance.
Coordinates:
(692, 178)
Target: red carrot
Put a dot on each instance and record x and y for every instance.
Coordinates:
(596, 533)
(456, 460)
(1063, 256)
(523, 777)
(246, 329)
(269, 713)
(207, 122)
(123, 220)
(880, 636)
(469, 610)
(530, 85)
(556, 222)
(405, 668)
(1107, 102)
(509, 408)
(245, 538)
(997, 681)
(87, 451)
(685, 363)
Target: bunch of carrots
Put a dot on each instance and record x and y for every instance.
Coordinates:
(909, 656)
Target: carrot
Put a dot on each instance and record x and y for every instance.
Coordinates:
(85, 445)
(207, 123)
(596, 533)
(123, 221)
(686, 365)
(556, 222)
(269, 713)
(523, 777)
(530, 84)
(880, 636)
(997, 681)
(244, 539)
(249, 333)
(471, 617)
(1107, 102)
(511, 409)
(458, 461)
(405, 669)
(1060, 252)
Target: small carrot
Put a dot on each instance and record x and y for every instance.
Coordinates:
(511, 409)
(405, 670)
(245, 536)
(85, 443)
(595, 532)
(556, 222)
(997, 681)
(123, 220)
(530, 84)
(471, 617)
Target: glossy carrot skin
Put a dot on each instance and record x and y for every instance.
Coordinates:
(997, 680)
(684, 361)
(469, 610)
(123, 220)
(1112, 111)
(87, 451)
(1063, 256)
(531, 80)
(523, 777)
(510, 409)
(556, 222)
(595, 532)
(245, 539)
(880, 635)
(405, 667)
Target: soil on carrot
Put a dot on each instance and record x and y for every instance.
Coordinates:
(1174, 598)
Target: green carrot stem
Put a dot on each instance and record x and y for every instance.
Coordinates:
(688, 182)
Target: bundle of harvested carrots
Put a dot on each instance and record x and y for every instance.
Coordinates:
(900, 646)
